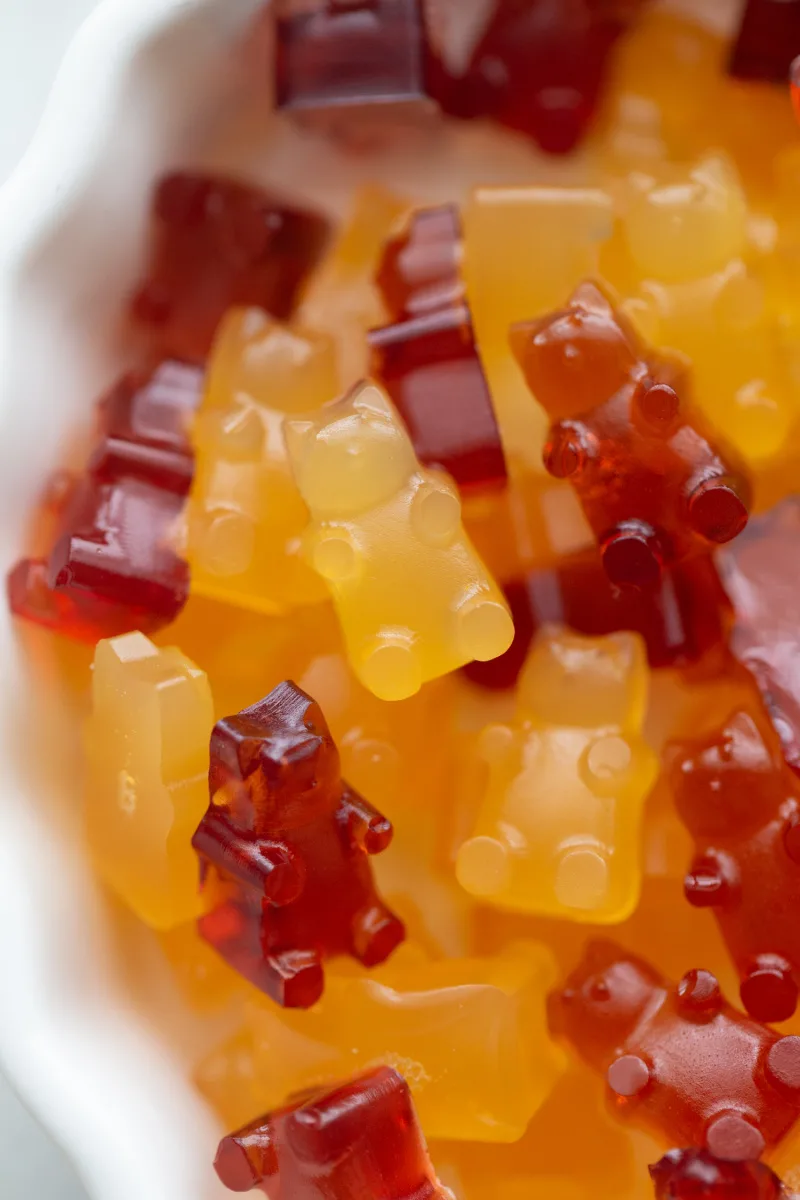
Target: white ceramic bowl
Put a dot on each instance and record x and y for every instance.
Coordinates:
(147, 85)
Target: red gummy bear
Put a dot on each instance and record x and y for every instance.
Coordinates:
(697, 1175)
(653, 487)
(739, 802)
(288, 843)
(538, 68)
(761, 574)
(219, 243)
(767, 41)
(349, 67)
(361, 1139)
(420, 269)
(678, 1059)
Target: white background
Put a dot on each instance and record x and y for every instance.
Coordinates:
(33, 37)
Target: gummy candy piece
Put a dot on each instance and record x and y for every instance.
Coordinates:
(468, 1034)
(245, 515)
(685, 618)
(558, 831)
(761, 574)
(360, 1139)
(413, 599)
(794, 82)
(677, 1058)
(217, 243)
(505, 230)
(620, 416)
(431, 369)
(352, 68)
(697, 1175)
(419, 271)
(742, 807)
(145, 421)
(289, 841)
(767, 41)
(538, 68)
(147, 754)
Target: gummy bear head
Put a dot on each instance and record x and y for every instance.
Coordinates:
(352, 456)
(275, 764)
(729, 782)
(578, 357)
(686, 226)
(603, 1001)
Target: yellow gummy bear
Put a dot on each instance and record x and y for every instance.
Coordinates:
(245, 515)
(147, 758)
(468, 1035)
(558, 832)
(413, 598)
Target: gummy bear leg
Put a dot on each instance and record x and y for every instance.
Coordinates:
(294, 978)
(631, 555)
(782, 1066)
(732, 1137)
(485, 630)
(391, 668)
(768, 991)
(376, 932)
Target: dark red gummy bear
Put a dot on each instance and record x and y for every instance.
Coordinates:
(348, 65)
(767, 41)
(761, 574)
(420, 269)
(217, 243)
(653, 486)
(431, 368)
(697, 1175)
(742, 807)
(682, 620)
(677, 1058)
(359, 1139)
(539, 68)
(290, 842)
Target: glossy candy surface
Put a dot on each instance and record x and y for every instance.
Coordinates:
(413, 599)
(284, 851)
(419, 269)
(696, 1175)
(767, 41)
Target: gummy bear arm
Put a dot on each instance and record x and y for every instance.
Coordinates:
(367, 829)
(270, 866)
(247, 1158)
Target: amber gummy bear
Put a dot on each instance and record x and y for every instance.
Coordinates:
(216, 243)
(619, 415)
(697, 1175)
(742, 806)
(677, 1058)
(352, 68)
(361, 1138)
(767, 41)
(284, 850)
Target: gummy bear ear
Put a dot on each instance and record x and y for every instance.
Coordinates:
(297, 436)
(368, 398)
(589, 295)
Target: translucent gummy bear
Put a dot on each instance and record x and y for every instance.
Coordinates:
(413, 598)
(147, 756)
(245, 513)
(469, 1035)
(558, 831)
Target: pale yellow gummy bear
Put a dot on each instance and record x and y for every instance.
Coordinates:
(413, 598)
(468, 1035)
(559, 829)
(147, 787)
(245, 515)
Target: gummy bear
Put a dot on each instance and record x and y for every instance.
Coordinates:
(677, 1058)
(430, 367)
(245, 515)
(217, 243)
(469, 1035)
(284, 850)
(354, 69)
(742, 807)
(360, 1139)
(558, 832)
(697, 1175)
(147, 754)
(420, 267)
(761, 574)
(653, 487)
(768, 40)
(413, 598)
